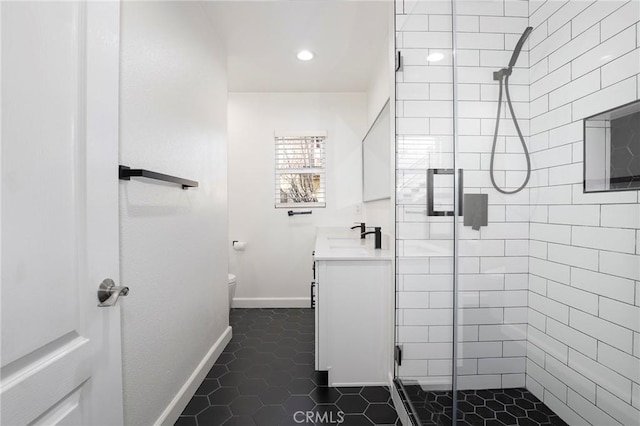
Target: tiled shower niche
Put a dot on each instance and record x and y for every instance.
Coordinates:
(612, 149)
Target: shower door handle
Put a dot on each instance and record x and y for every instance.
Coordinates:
(430, 185)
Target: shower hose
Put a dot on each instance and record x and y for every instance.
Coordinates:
(506, 72)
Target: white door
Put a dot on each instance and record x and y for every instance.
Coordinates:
(60, 352)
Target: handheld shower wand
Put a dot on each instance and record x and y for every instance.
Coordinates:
(503, 75)
(518, 48)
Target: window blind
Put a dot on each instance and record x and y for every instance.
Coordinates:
(300, 170)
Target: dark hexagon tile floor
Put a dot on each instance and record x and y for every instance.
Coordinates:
(491, 407)
(266, 375)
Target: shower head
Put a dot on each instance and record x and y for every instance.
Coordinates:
(516, 51)
(502, 76)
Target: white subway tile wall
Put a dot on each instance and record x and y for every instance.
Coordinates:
(584, 264)
(549, 291)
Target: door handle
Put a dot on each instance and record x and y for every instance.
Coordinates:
(430, 189)
(109, 292)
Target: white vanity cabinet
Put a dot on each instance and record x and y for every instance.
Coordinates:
(354, 308)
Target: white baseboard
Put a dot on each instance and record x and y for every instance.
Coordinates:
(271, 302)
(170, 415)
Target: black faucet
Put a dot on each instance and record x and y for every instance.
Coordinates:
(362, 227)
(378, 231)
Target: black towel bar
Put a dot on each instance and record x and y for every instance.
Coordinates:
(126, 173)
(291, 212)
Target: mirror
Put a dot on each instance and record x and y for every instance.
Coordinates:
(376, 147)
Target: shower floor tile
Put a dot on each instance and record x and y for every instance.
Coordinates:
(490, 407)
(266, 374)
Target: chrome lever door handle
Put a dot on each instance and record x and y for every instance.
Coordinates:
(108, 293)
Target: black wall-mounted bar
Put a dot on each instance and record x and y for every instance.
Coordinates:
(126, 173)
(291, 212)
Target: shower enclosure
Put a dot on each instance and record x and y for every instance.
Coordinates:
(517, 292)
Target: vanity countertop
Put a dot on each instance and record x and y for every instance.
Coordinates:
(341, 244)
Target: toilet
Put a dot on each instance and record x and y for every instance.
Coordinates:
(232, 288)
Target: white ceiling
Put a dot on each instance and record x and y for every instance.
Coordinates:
(349, 38)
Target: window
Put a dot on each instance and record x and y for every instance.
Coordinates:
(300, 170)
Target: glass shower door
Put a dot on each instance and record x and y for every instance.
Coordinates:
(542, 337)
(425, 181)
(525, 310)
(461, 280)
(493, 238)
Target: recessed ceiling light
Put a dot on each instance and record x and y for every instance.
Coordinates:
(435, 57)
(305, 55)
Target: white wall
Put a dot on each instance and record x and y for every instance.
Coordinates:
(380, 86)
(277, 260)
(173, 242)
(583, 357)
